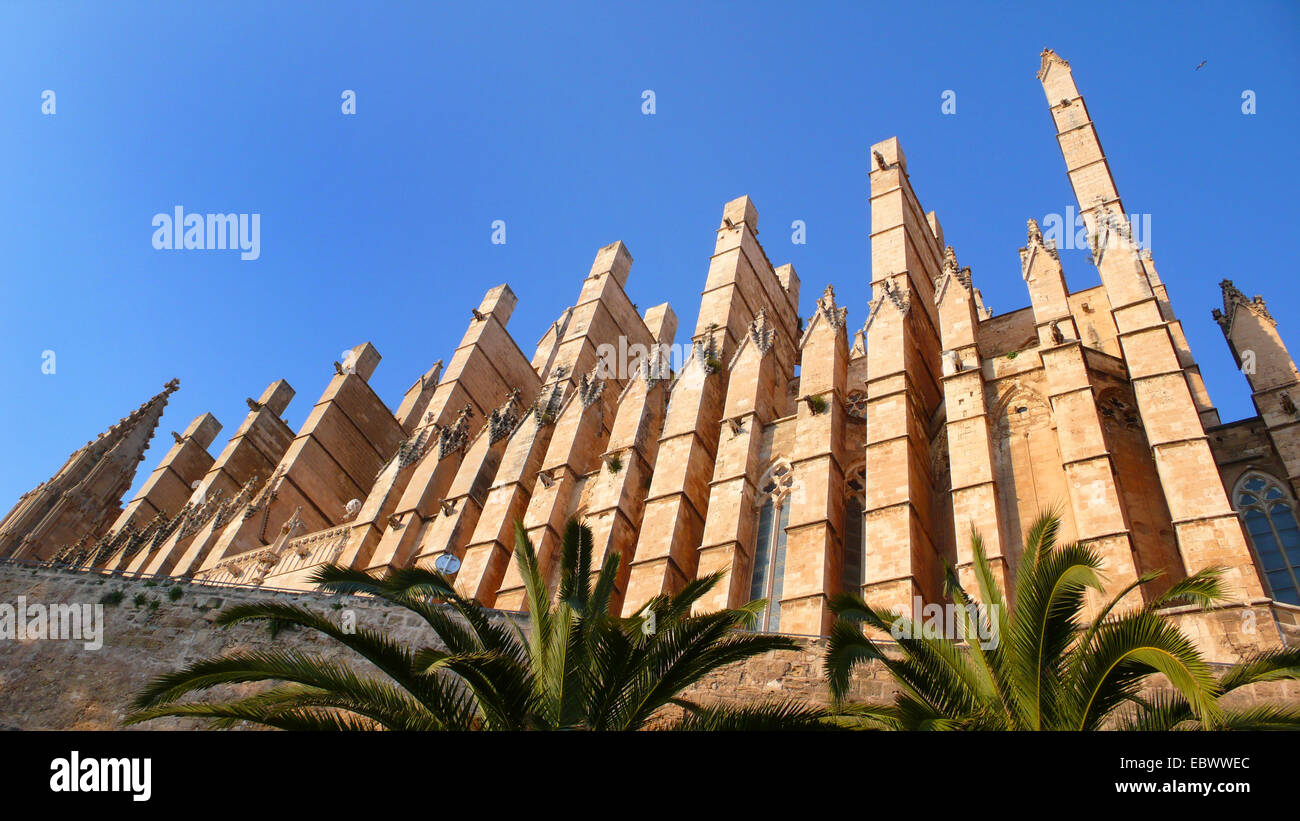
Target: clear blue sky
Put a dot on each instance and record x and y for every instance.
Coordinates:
(377, 226)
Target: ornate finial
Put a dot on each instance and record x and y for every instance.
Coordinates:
(1099, 238)
(590, 387)
(829, 311)
(294, 523)
(411, 448)
(454, 436)
(1233, 298)
(172, 386)
(761, 331)
(656, 367)
(546, 411)
(502, 420)
(901, 299)
(706, 350)
(949, 267)
(949, 264)
(1035, 234)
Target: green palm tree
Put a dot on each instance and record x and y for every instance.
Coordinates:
(1038, 666)
(578, 667)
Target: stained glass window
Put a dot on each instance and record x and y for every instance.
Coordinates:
(1269, 514)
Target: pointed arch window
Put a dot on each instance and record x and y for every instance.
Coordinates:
(1269, 513)
(851, 578)
(768, 577)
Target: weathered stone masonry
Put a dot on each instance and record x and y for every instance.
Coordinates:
(801, 455)
(60, 685)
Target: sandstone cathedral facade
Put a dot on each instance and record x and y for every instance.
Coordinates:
(802, 456)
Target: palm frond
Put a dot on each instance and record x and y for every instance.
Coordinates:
(781, 715)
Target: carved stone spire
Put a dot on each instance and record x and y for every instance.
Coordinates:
(829, 310)
(900, 298)
(1035, 234)
(1233, 298)
(82, 499)
(949, 264)
(761, 331)
(501, 421)
(454, 436)
(590, 387)
(546, 409)
(706, 350)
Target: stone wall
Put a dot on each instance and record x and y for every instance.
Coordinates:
(61, 685)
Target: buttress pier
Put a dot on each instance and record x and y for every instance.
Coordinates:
(801, 454)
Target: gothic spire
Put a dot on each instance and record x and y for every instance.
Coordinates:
(82, 499)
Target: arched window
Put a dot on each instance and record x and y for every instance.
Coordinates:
(1268, 510)
(851, 578)
(769, 545)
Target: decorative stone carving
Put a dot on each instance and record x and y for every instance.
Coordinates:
(951, 363)
(656, 368)
(899, 297)
(829, 311)
(706, 351)
(267, 495)
(1035, 234)
(453, 437)
(761, 331)
(545, 411)
(501, 421)
(855, 404)
(1233, 299)
(590, 388)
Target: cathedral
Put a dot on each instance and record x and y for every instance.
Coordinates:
(802, 456)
